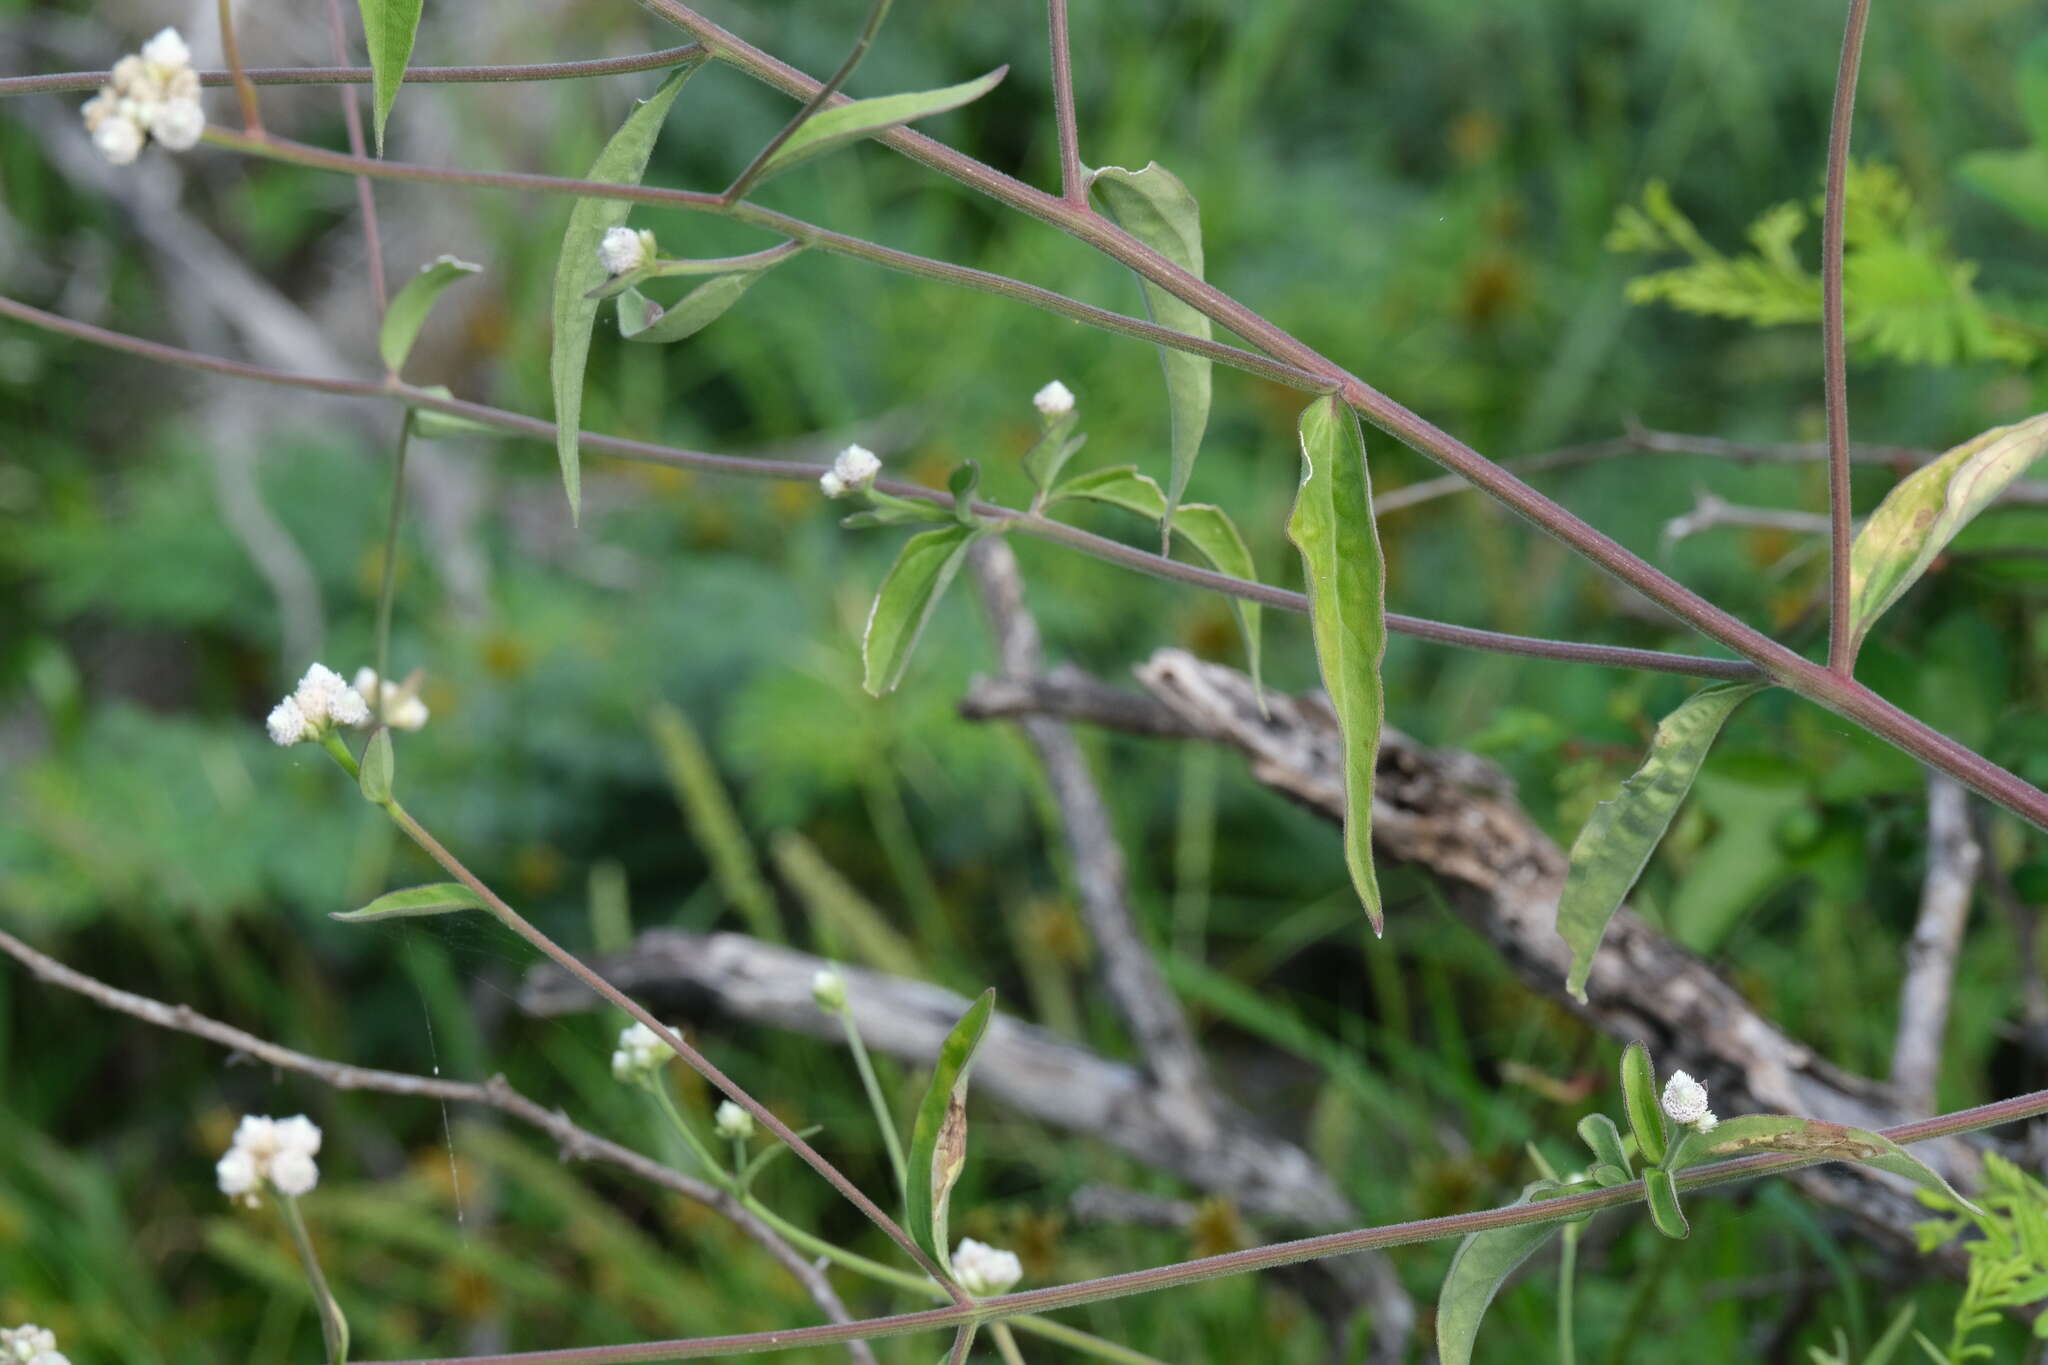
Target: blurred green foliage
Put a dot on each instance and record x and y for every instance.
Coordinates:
(1423, 190)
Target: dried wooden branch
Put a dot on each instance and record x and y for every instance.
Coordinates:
(1953, 857)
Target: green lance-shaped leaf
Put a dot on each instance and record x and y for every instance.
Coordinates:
(437, 898)
(938, 1138)
(411, 304)
(1663, 1199)
(1824, 1141)
(1918, 519)
(389, 27)
(378, 768)
(622, 162)
(1156, 208)
(906, 600)
(1621, 834)
(1332, 526)
(829, 128)
(642, 319)
(1603, 1139)
(1639, 1098)
(1121, 486)
(432, 424)
(1481, 1265)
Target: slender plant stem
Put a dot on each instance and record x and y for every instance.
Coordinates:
(366, 197)
(1006, 1345)
(1141, 561)
(699, 1063)
(333, 1326)
(63, 82)
(884, 1120)
(744, 181)
(1567, 1271)
(1006, 1306)
(387, 576)
(1834, 346)
(713, 1172)
(1073, 182)
(963, 1342)
(245, 90)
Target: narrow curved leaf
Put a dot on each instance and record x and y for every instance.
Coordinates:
(1607, 1175)
(642, 319)
(411, 304)
(437, 898)
(622, 162)
(829, 128)
(378, 768)
(1332, 526)
(1050, 452)
(938, 1138)
(1155, 207)
(1121, 486)
(1663, 1199)
(1215, 537)
(1621, 834)
(1918, 518)
(1823, 1141)
(1603, 1139)
(906, 600)
(964, 483)
(1639, 1098)
(1481, 1265)
(389, 27)
(431, 423)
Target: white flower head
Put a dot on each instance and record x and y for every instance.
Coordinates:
(403, 709)
(118, 139)
(236, 1172)
(1685, 1099)
(624, 250)
(29, 1342)
(294, 1173)
(828, 990)
(325, 699)
(287, 724)
(1054, 400)
(274, 1152)
(178, 124)
(1706, 1122)
(983, 1270)
(640, 1054)
(151, 94)
(167, 50)
(733, 1122)
(853, 472)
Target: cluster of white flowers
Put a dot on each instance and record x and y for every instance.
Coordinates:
(1685, 1102)
(853, 472)
(733, 1122)
(402, 710)
(277, 1151)
(828, 990)
(1054, 400)
(29, 1344)
(622, 251)
(640, 1054)
(154, 94)
(983, 1270)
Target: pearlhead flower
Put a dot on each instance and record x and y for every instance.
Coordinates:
(983, 1270)
(322, 700)
(178, 124)
(640, 1054)
(403, 709)
(828, 990)
(154, 93)
(167, 49)
(1054, 400)
(1685, 1099)
(733, 1122)
(118, 139)
(30, 1344)
(287, 724)
(623, 250)
(276, 1152)
(853, 472)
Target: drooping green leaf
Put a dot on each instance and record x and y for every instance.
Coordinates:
(938, 1138)
(1918, 518)
(378, 767)
(1481, 1265)
(964, 483)
(1121, 486)
(1332, 526)
(1664, 1210)
(1155, 207)
(642, 319)
(432, 424)
(578, 270)
(1607, 1175)
(1215, 536)
(709, 265)
(1049, 454)
(1639, 1098)
(389, 27)
(829, 128)
(411, 304)
(1621, 834)
(1823, 1141)
(906, 600)
(1603, 1139)
(437, 898)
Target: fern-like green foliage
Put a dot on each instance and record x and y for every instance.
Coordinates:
(2008, 1264)
(1906, 296)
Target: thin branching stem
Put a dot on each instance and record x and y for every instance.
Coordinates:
(1834, 346)
(333, 1324)
(66, 81)
(366, 196)
(387, 576)
(745, 180)
(1073, 178)
(245, 90)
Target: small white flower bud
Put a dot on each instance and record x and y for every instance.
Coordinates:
(828, 990)
(623, 250)
(640, 1054)
(294, 1173)
(287, 724)
(325, 699)
(1685, 1099)
(32, 1344)
(178, 124)
(403, 710)
(983, 1270)
(853, 472)
(131, 76)
(733, 1122)
(236, 1172)
(119, 140)
(167, 49)
(298, 1134)
(1054, 400)
(257, 1136)
(1706, 1123)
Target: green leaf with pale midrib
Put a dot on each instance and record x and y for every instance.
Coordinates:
(1620, 835)
(829, 128)
(410, 306)
(1332, 526)
(578, 270)
(1813, 1137)
(437, 898)
(904, 603)
(938, 1137)
(389, 27)
(1156, 208)
(642, 319)
(1478, 1269)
